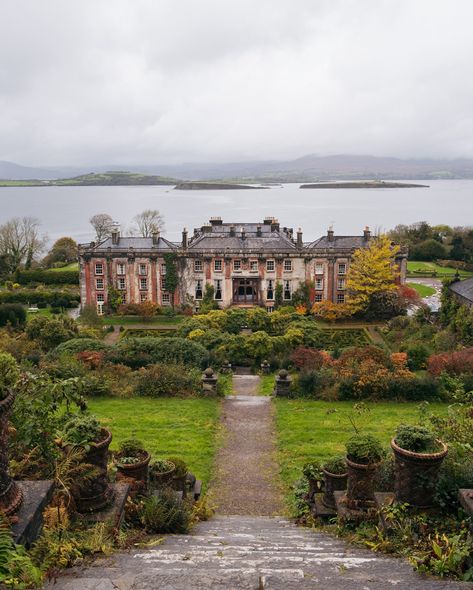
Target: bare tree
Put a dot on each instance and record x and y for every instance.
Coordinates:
(147, 222)
(21, 242)
(102, 224)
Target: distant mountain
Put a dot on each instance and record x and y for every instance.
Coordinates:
(305, 169)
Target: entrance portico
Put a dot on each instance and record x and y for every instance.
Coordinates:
(245, 291)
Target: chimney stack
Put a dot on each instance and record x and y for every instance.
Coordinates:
(330, 234)
(115, 233)
(184, 238)
(232, 231)
(243, 235)
(299, 238)
(258, 231)
(155, 236)
(366, 233)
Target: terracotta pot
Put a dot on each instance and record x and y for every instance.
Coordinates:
(95, 494)
(334, 482)
(360, 489)
(138, 471)
(11, 495)
(162, 480)
(416, 475)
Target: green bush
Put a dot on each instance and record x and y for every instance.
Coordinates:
(165, 514)
(456, 473)
(9, 374)
(49, 333)
(167, 380)
(417, 439)
(40, 297)
(417, 355)
(336, 465)
(364, 449)
(80, 344)
(64, 277)
(13, 314)
(139, 352)
(81, 430)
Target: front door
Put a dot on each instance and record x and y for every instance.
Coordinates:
(245, 291)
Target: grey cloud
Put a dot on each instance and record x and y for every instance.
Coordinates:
(135, 81)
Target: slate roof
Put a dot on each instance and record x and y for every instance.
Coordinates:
(137, 243)
(343, 242)
(463, 288)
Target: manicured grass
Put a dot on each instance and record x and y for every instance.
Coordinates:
(422, 290)
(315, 430)
(266, 385)
(69, 267)
(169, 427)
(46, 312)
(125, 320)
(417, 267)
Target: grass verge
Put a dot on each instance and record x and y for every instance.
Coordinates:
(422, 290)
(179, 427)
(266, 384)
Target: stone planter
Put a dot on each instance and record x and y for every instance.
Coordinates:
(282, 386)
(162, 480)
(416, 475)
(360, 488)
(180, 484)
(137, 471)
(90, 496)
(11, 495)
(334, 482)
(315, 487)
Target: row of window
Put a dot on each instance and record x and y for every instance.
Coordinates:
(218, 267)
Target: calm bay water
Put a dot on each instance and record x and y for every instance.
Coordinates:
(66, 210)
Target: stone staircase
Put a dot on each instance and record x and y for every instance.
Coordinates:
(249, 553)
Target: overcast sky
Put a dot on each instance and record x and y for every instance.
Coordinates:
(148, 81)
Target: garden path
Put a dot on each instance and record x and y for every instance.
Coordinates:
(244, 547)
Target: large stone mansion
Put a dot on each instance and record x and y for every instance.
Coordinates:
(243, 261)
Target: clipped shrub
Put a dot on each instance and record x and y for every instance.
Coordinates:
(76, 345)
(81, 430)
(64, 277)
(417, 439)
(364, 449)
(139, 352)
(336, 465)
(167, 380)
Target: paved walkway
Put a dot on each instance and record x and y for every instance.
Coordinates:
(243, 547)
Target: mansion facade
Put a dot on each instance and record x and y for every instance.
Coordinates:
(243, 262)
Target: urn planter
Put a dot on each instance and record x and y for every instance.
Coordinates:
(137, 471)
(11, 495)
(333, 482)
(162, 479)
(360, 485)
(416, 474)
(96, 493)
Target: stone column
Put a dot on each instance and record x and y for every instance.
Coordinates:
(283, 384)
(265, 367)
(10, 493)
(209, 382)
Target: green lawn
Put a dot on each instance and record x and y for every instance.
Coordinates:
(125, 320)
(69, 267)
(46, 312)
(417, 268)
(179, 427)
(266, 384)
(309, 430)
(422, 290)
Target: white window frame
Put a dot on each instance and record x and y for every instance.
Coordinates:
(270, 286)
(100, 297)
(123, 297)
(318, 297)
(287, 265)
(121, 268)
(163, 269)
(270, 308)
(218, 287)
(237, 265)
(270, 265)
(319, 284)
(143, 269)
(340, 297)
(166, 298)
(99, 284)
(121, 284)
(143, 297)
(218, 265)
(96, 269)
(253, 266)
(342, 268)
(143, 284)
(341, 284)
(287, 288)
(198, 265)
(199, 287)
(319, 268)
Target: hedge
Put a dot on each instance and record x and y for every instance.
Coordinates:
(13, 314)
(40, 297)
(80, 344)
(48, 277)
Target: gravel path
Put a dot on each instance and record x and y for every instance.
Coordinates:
(247, 474)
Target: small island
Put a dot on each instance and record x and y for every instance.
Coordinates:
(364, 184)
(197, 186)
(113, 178)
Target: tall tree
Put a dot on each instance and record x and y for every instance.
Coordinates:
(147, 222)
(63, 250)
(372, 271)
(102, 224)
(21, 242)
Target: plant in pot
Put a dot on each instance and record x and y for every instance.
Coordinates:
(132, 462)
(161, 473)
(312, 471)
(180, 475)
(364, 453)
(10, 492)
(335, 479)
(85, 432)
(418, 456)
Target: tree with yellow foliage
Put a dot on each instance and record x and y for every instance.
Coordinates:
(372, 271)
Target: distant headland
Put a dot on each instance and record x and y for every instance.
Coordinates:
(364, 184)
